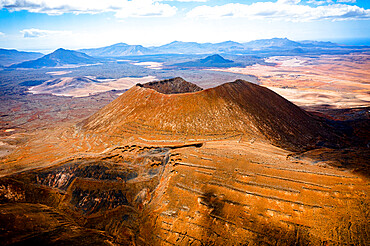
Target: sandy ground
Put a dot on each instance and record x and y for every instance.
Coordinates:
(58, 72)
(338, 81)
(63, 88)
(150, 65)
(312, 97)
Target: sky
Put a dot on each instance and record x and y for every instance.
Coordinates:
(45, 25)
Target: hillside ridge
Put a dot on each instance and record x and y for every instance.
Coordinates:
(59, 57)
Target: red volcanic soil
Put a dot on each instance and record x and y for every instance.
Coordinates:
(195, 168)
(237, 108)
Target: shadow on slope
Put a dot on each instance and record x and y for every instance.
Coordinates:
(238, 108)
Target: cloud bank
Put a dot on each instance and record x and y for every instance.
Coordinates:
(36, 33)
(287, 10)
(121, 8)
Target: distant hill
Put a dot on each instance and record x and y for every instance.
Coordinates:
(272, 43)
(9, 57)
(228, 47)
(60, 57)
(120, 49)
(208, 62)
(178, 47)
(312, 43)
(199, 48)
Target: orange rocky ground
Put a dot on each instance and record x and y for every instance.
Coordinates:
(200, 168)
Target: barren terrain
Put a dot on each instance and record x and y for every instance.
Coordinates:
(335, 81)
(232, 165)
(69, 86)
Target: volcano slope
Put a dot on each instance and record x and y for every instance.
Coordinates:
(234, 109)
(206, 167)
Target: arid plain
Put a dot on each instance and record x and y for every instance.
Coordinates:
(168, 163)
(335, 81)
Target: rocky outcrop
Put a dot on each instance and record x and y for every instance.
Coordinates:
(172, 86)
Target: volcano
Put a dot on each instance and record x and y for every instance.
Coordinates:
(209, 62)
(239, 108)
(59, 57)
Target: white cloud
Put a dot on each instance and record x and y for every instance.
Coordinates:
(288, 1)
(2, 34)
(36, 33)
(144, 8)
(288, 10)
(346, 1)
(190, 0)
(319, 2)
(122, 8)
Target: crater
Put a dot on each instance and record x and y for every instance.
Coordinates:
(172, 86)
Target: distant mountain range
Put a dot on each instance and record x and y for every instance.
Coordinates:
(228, 47)
(208, 62)
(198, 48)
(272, 43)
(120, 49)
(60, 57)
(262, 47)
(9, 57)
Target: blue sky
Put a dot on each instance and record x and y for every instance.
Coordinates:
(45, 25)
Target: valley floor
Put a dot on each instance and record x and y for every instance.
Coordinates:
(340, 81)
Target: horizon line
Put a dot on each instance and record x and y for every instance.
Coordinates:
(339, 41)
